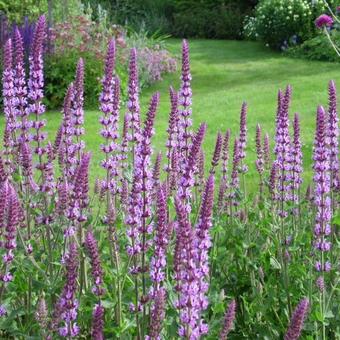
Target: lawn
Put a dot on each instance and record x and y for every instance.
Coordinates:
(225, 73)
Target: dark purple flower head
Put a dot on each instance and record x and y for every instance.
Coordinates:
(96, 268)
(8, 55)
(110, 61)
(185, 102)
(333, 135)
(321, 179)
(296, 159)
(323, 20)
(297, 320)
(228, 320)
(202, 242)
(266, 150)
(38, 39)
(187, 180)
(173, 124)
(67, 305)
(217, 152)
(259, 150)
(41, 314)
(243, 132)
(97, 322)
(133, 96)
(157, 315)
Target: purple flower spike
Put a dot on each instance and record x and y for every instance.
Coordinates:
(35, 87)
(186, 275)
(283, 150)
(110, 105)
(172, 126)
(217, 153)
(321, 179)
(224, 180)
(78, 110)
(323, 20)
(96, 268)
(67, 305)
(185, 102)
(10, 220)
(228, 320)
(8, 93)
(297, 320)
(133, 97)
(187, 180)
(296, 160)
(97, 322)
(202, 242)
(157, 315)
(259, 150)
(266, 150)
(21, 87)
(333, 135)
(243, 136)
(158, 261)
(235, 180)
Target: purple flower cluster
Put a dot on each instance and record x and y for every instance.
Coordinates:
(187, 180)
(185, 102)
(189, 303)
(8, 93)
(109, 105)
(296, 160)
(133, 113)
(333, 136)
(67, 305)
(172, 130)
(283, 150)
(224, 180)
(297, 320)
(217, 153)
(260, 155)
(228, 320)
(322, 199)
(10, 215)
(96, 267)
(97, 322)
(202, 242)
(242, 141)
(35, 89)
(161, 240)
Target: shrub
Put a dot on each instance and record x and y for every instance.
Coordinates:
(82, 37)
(279, 21)
(317, 48)
(209, 19)
(59, 73)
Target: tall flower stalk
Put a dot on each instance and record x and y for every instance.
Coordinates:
(185, 102)
(322, 229)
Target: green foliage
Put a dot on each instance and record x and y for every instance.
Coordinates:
(60, 71)
(277, 21)
(16, 10)
(317, 48)
(210, 19)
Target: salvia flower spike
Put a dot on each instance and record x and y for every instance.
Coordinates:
(297, 320)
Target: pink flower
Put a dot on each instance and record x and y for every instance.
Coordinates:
(323, 20)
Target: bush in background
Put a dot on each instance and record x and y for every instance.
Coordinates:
(317, 48)
(81, 36)
(281, 23)
(210, 19)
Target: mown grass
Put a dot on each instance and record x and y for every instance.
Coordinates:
(225, 73)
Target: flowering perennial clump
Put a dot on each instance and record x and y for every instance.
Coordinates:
(148, 254)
